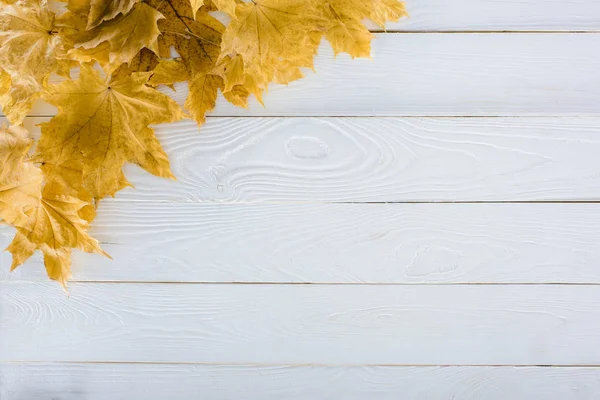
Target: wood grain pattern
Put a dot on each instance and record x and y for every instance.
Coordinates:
(491, 15)
(498, 15)
(375, 160)
(301, 324)
(440, 75)
(337, 243)
(44, 381)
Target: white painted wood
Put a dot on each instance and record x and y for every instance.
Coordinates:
(233, 382)
(337, 243)
(502, 15)
(443, 75)
(491, 15)
(374, 160)
(308, 324)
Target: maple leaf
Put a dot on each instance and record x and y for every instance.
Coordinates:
(102, 124)
(30, 50)
(343, 27)
(20, 181)
(341, 22)
(14, 145)
(386, 10)
(203, 95)
(104, 10)
(144, 61)
(197, 39)
(122, 37)
(55, 227)
(103, 121)
(168, 72)
(273, 38)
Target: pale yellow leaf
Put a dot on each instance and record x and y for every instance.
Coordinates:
(238, 96)
(54, 227)
(386, 10)
(30, 50)
(104, 10)
(102, 124)
(202, 98)
(268, 34)
(14, 144)
(20, 194)
(144, 61)
(168, 72)
(20, 181)
(126, 34)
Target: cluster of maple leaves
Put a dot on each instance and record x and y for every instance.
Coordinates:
(121, 51)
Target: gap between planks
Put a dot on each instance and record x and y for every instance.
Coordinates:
(414, 116)
(359, 202)
(452, 32)
(213, 283)
(245, 364)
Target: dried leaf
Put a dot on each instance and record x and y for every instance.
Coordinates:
(54, 227)
(203, 95)
(102, 124)
(271, 36)
(104, 10)
(20, 181)
(126, 35)
(104, 120)
(30, 50)
(198, 41)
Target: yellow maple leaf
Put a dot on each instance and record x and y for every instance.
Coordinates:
(123, 37)
(14, 145)
(144, 61)
(103, 121)
(55, 226)
(20, 181)
(104, 10)
(102, 124)
(273, 38)
(382, 11)
(341, 22)
(197, 39)
(168, 72)
(238, 96)
(231, 69)
(343, 26)
(203, 95)
(30, 50)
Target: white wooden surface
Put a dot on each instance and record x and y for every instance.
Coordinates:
(302, 324)
(337, 243)
(42, 381)
(262, 273)
(499, 15)
(416, 74)
(374, 160)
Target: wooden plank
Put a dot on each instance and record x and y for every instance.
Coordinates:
(440, 75)
(498, 15)
(180, 381)
(337, 243)
(374, 160)
(491, 15)
(301, 324)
